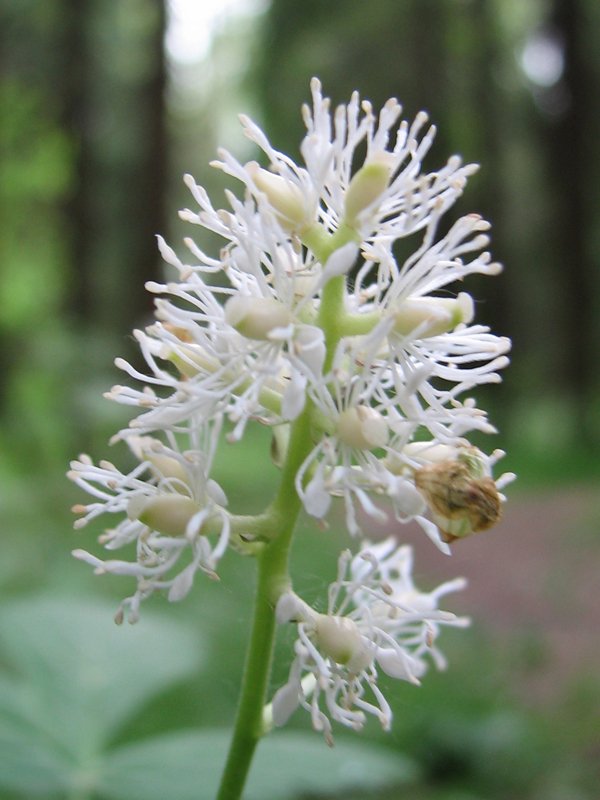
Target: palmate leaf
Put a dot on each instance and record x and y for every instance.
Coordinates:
(29, 764)
(187, 765)
(74, 679)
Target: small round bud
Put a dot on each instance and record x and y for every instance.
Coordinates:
(432, 316)
(256, 317)
(339, 639)
(363, 428)
(189, 358)
(145, 448)
(367, 185)
(168, 514)
(284, 196)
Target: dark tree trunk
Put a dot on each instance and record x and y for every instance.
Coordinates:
(75, 90)
(116, 207)
(150, 176)
(570, 155)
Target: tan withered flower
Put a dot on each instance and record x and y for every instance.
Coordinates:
(462, 502)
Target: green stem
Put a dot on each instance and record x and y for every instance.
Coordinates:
(332, 309)
(247, 729)
(323, 244)
(279, 524)
(359, 324)
(273, 579)
(331, 312)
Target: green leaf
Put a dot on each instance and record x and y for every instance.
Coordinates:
(187, 766)
(30, 766)
(297, 763)
(77, 679)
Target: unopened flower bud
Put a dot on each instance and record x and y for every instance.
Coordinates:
(432, 316)
(187, 356)
(189, 359)
(363, 428)
(145, 448)
(256, 317)
(285, 197)
(168, 513)
(339, 639)
(462, 501)
(367, 185)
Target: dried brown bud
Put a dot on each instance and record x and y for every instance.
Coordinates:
(461, 503)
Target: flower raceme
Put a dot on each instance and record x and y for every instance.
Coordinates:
(362, 364)
(376, 618)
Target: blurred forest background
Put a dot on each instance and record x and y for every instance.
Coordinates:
(100, 119)
(104, 104)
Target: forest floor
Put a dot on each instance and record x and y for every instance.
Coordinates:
(534, 577)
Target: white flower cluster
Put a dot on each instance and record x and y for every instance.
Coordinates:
(375, 618)
(169, 505)
(308, 314)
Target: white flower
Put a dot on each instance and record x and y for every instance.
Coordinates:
(375, 618)
(307, 315)
(171, 512)
(387, 198)
(251, 346)
(455, 485)
(250, 358)
(367, 412)
(353, 426)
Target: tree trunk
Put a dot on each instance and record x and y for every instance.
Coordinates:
(570, 156)
(74, 86)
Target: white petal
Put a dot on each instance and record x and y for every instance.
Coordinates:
(309, 347)
(216, 493)
(407, 499)
(290, 608)
(182, 584)
(399, 664)
(285, 702)
(434, 534)
(294, 396)
(340, 261)
(316, 499)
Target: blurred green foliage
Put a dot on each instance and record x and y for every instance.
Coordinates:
(37, 174)
(77, 679)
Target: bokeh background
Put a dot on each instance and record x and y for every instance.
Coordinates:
(104, 104)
